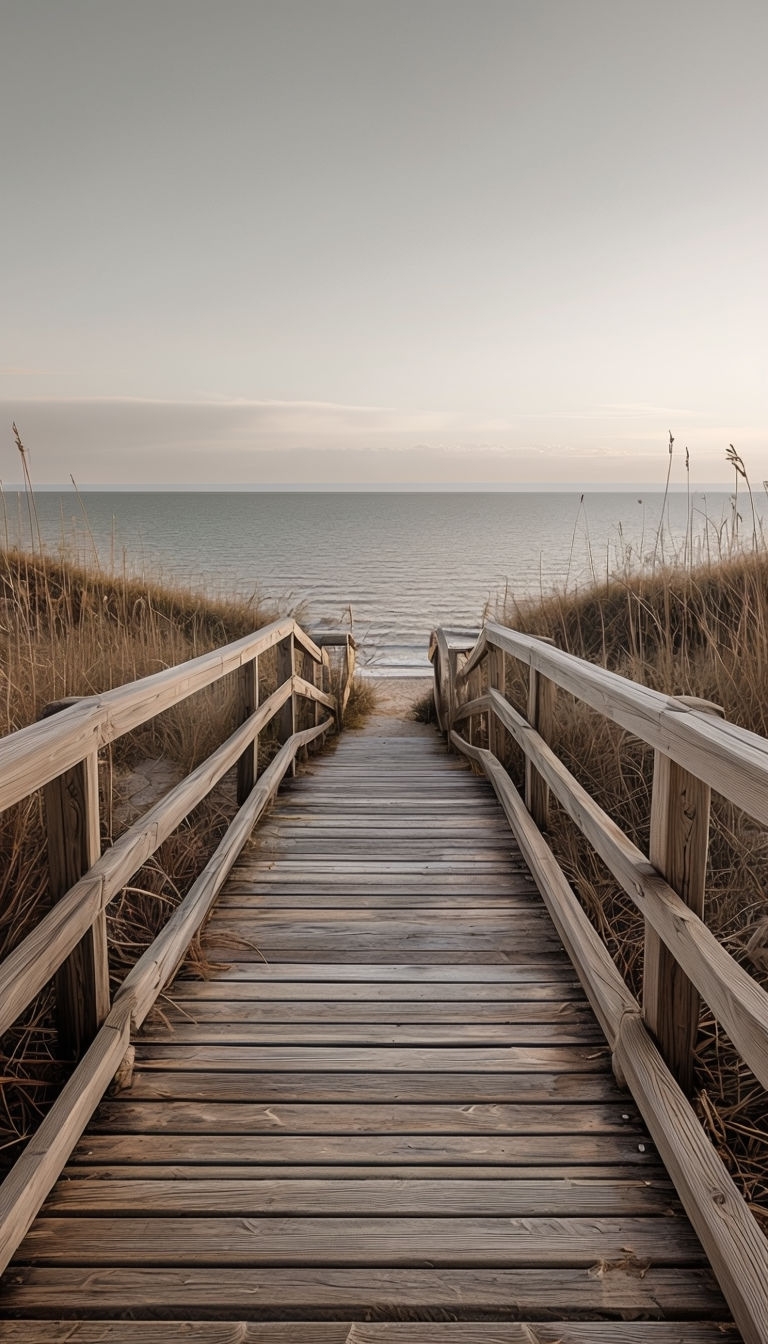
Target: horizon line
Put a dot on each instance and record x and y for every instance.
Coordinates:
(372, 488)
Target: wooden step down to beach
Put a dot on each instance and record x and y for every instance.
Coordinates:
(387, 1116)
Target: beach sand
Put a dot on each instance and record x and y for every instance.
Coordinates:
(396, 696)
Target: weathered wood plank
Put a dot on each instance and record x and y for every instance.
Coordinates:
(447, 868)
(465, 1012)
(679, 839)
(247, 1198)
(519, 994)
(367, 1149)
(125, 1115)
(541, 716)
(201, 1292)
(247, 704)
(74, 846)
(394, 897)
(529, 919)
(396, 972)
(386, 1059)
(382, 1332)
(305, 1242)
(303, 957)
(401, 1034)
(247, 1085)
(233, 1174)
(291, 825)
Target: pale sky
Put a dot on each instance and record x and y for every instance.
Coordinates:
(377, 241)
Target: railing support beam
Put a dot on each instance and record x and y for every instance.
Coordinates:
(286, 669)
(248, 703)
(541, 716)
(74, 844)
(678, 849)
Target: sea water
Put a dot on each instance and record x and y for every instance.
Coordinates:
(389, 566)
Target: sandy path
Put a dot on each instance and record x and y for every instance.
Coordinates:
(396, 696)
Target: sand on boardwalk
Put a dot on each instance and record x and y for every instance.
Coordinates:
(396, 696)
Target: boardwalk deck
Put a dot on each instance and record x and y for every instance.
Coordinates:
(387, 1116)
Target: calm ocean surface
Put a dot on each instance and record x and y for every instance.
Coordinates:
(396, 565)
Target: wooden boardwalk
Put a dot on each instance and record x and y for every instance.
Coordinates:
(389, 1114)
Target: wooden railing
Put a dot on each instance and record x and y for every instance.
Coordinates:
(69, 944)
(652, 1044)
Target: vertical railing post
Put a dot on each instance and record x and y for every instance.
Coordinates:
(441, 709)
(307, 710)
(326, 681)
(541, 716)
(470, 684)
(285, 718)
(453, 695)
(348, 676)
(678, 849)
(502, 737)
(74, 844)
(248, 703)
(496, 682)
(316, 677)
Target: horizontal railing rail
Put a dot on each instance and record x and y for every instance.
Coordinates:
(652, 1043)
(69, 943)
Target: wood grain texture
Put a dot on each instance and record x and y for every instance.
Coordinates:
(368, 1332)
(246, 1197)
(472, 1088)
(541, 716)
(440, 1013)
(247, 704)
(679, 839)
(369, 1150)
(124, 1115)
(378, 1242)
(74, 845)
(612, 1289)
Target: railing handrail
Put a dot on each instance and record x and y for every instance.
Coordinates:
(682, 956)
(732, 760)
(30, 757)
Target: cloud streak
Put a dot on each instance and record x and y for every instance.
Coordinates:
(130, 440)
